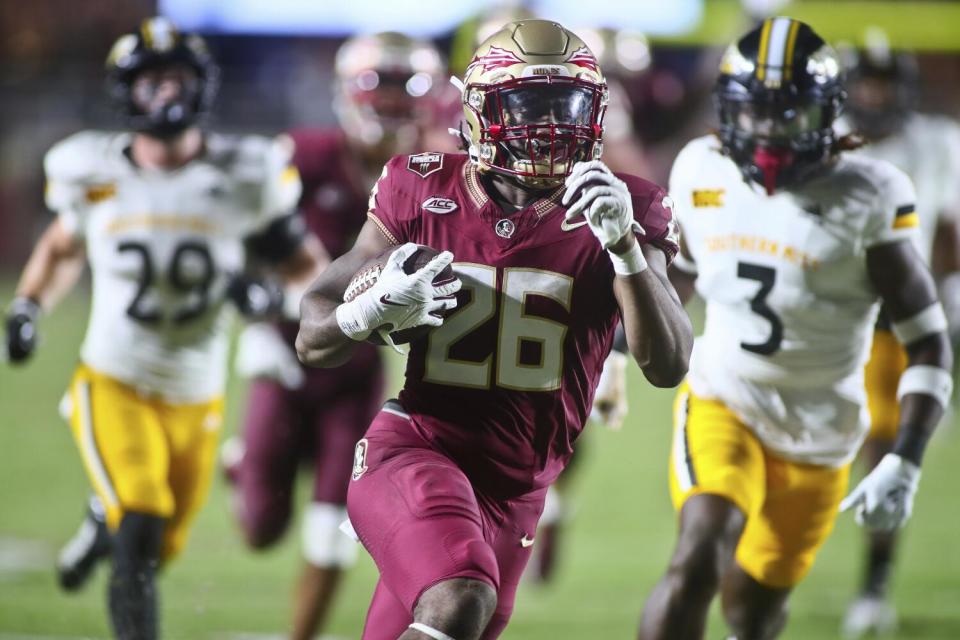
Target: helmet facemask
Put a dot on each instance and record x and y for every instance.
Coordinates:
(164, 100)
(777, 144)
(536, 128)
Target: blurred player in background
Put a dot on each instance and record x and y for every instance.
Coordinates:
(449, 480)
(384, 87)
(165, 215)
(792, 244)
(883, 88)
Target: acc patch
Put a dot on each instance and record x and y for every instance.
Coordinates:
(439, 205)
(708, 197)
(423, 164)
(100, 192)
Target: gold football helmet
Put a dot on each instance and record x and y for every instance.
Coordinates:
(534, 98)
(384, 85)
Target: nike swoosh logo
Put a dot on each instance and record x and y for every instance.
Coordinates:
(526, 542)
(568, 226)
(385, 299)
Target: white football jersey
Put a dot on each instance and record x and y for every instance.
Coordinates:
(161, 247)
(928, 150)
(789, 305)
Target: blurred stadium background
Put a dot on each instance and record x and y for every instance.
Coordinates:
(277, 63)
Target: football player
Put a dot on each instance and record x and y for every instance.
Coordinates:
(883, 88)
(384, 85)
(551, 249)
(792, 244)
(165, 215)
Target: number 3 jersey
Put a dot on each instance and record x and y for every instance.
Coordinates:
(505, 385)
(789, 305)
(161, 247)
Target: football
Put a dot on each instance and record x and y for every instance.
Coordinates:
(367, 276)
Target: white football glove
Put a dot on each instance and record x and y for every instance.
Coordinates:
(610, 399)
(606, 207)
(400, 300)
(262, 353)
(884, 498)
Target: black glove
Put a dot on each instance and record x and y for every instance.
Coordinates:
(21, 328)
(256, 298)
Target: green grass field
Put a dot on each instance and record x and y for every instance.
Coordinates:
(616, 548)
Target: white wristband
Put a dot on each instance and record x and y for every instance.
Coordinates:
(629, 262)
(927, 322)
(928, 380)
(351, 320)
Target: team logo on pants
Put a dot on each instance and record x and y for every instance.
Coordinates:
(360, 459)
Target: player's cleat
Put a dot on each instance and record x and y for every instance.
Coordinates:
(89, 544)
(869, 615)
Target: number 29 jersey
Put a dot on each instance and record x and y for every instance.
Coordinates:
(789, 305)
(161, 246)
(505, 385)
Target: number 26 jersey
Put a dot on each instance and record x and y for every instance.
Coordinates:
(161, 247)
(505, 385)
(789, 305)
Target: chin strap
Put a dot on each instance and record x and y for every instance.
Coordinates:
(771, 161)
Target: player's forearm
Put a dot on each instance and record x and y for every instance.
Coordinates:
(320, 341)
(658, 330)
(921, 412)
(684, 283)
(53, 268)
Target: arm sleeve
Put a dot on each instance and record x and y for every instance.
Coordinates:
(893, 216)
(387, 207)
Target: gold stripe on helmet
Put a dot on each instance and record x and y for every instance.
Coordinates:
(146, 30)
(791, 44)
(763, 51)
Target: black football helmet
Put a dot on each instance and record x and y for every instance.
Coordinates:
(883, 85)
(779, 91)
(158, 45)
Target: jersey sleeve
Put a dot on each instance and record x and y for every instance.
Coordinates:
(894, 215)
(660, 229)
(387, 205)
(66, 192)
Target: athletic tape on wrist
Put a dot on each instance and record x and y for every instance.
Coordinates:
(630, 262)
(350, 322)
(927, 380)
(928, 322)
(430, 631)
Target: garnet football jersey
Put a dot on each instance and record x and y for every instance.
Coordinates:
(161, 247)
(505, 385)
(790, 307)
